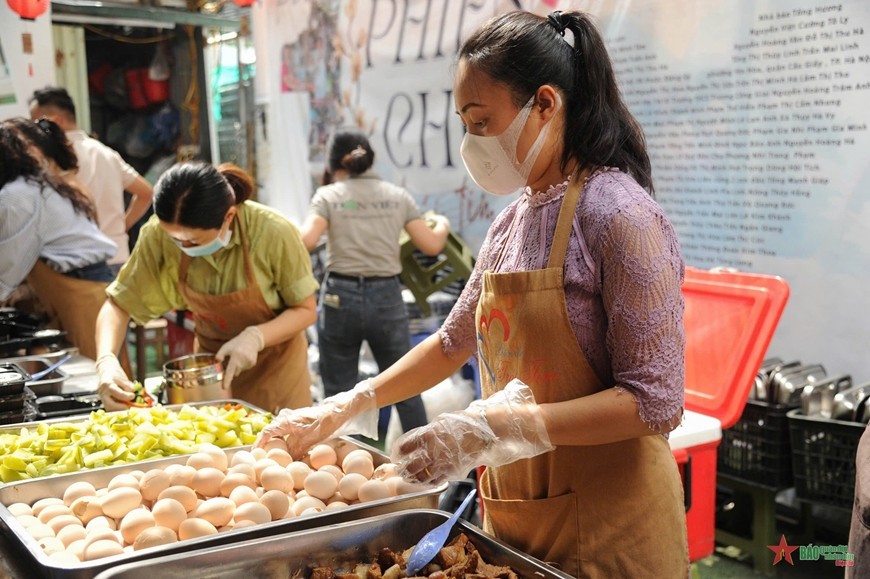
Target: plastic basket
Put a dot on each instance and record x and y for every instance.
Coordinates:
(824, 458)
(757, 449)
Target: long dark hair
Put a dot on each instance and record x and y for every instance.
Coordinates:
(50, 139)
(16, 161)
(524, 51)
(198, 195)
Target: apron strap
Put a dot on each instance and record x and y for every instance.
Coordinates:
(566, 219)
(508, 236)
(250, 276)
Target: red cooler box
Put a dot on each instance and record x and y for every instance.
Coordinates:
(730, 318)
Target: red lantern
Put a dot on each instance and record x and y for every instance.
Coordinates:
(244, 3)
(28, 9)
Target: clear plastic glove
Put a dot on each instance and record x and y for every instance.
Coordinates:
(351, 412)
(114, 386)
(506, 427)
(242, 352)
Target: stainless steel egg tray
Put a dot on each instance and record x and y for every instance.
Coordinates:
(54, 486)
(341, 545)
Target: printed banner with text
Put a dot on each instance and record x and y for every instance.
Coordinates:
(755, 113)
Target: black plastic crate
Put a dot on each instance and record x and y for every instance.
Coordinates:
(757, 449)
(824, 451)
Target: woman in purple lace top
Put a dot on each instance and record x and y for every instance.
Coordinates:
(574, 310)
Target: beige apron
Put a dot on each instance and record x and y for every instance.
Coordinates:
(280, 378)
(604, 512)
(74, 304)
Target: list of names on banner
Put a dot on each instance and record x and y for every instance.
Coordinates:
(742, 152)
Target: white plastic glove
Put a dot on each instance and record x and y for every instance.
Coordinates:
(114, 383)
(351, 412)
(242, 352)
(506, 427)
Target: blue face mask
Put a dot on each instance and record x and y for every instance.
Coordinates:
(209, 248)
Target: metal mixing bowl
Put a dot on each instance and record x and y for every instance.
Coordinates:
(194, 378)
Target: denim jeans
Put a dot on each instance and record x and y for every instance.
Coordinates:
(94, 272)
(357, 309)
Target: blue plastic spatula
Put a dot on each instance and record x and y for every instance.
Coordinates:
(431, 543)
(50, 369)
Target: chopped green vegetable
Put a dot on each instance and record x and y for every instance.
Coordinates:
(105, 439)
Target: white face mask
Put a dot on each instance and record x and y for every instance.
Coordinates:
(492, 161)
(209, 248)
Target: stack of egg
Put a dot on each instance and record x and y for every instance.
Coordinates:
(16, 399)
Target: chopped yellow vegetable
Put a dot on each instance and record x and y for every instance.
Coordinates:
(105, 439)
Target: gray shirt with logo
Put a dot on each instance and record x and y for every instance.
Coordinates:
(366, 215)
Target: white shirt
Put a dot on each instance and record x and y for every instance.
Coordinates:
(36, 221)
(105, 175)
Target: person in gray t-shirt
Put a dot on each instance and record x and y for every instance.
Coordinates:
(361, 297)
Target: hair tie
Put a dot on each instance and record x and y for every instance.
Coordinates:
(358, 153)
(558, 21)
(44, 125)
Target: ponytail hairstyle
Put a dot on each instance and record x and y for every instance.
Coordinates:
(198, 195)
(524, 51)
(17, 160)
(350, 151)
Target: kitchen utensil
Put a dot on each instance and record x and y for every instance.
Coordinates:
(759, 385)
(427, 547)
(776, 374)
(759, 388)
(45, 386)
(847, 403)
(194, 378)
(789, 386)
(768, 364)
(817, 399)
(50, 369)
(863, 412)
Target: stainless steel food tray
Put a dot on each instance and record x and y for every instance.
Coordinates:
(52, 383)
(16, 427)
(54, 486)
(83, 417)
(279, 557)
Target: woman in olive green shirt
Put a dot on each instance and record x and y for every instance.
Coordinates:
(239, 266)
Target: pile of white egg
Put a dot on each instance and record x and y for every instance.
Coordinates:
(209, 494)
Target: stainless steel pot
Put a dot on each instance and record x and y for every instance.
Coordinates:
(194, 378)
